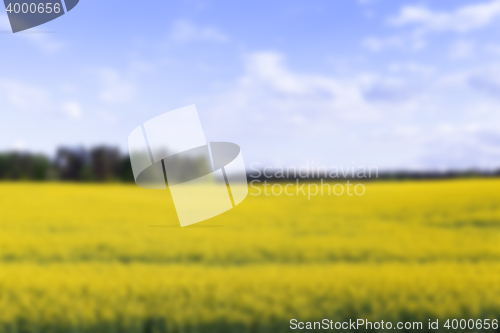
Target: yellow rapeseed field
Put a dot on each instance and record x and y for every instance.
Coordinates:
(112, 258)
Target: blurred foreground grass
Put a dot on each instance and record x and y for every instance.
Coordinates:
(112, 258)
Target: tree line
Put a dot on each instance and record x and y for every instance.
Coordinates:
(101, 164)
(107, 164)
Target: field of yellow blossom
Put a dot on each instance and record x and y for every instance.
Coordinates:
(112, 258)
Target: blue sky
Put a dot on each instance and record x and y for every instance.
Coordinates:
(413, 85)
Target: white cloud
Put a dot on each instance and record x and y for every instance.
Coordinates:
(411, 68)
(463, 19)
(392, 119)
(413, 42)
(493, 48)
(269, 93)
(115, 88)
(23, 97)
(72, 109)
(376, 44)
(186, 31)
(389, 90)
(267, 69)
(19, 146)
(486, 81)
(107, 117)
(424, 20)
(449, 146)
(462, 49)
(44, 41)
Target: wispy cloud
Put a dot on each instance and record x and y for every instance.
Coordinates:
(401, 42)
(116, 89)
(107, 117)
(411, 68)
(43, 41)
(376, 44)
(388, 110)
(186, 31)
(486, 81)
(23, 97)
(462, 49)
(423, 21)
(270, 91)
(492, 48)
(463, 19)
(72, 109)
(389, 90)
(19, 146)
